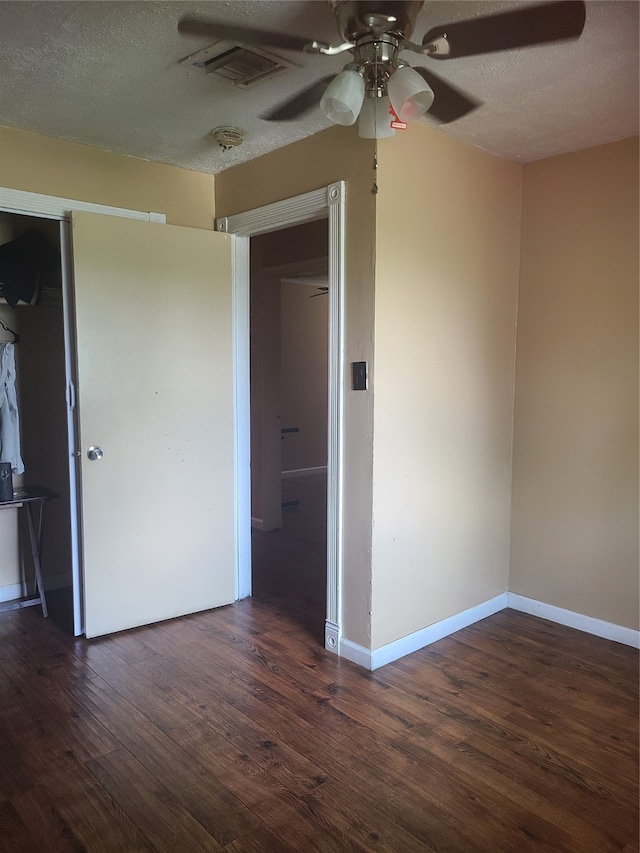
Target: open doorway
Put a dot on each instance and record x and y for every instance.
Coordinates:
(289, 420)
(329, 203)
(32, 268)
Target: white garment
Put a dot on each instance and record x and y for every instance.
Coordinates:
(9, 419)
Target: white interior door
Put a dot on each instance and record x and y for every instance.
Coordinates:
(155, 393)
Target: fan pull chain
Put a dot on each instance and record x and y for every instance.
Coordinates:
(374, 185)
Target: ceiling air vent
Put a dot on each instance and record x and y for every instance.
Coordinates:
(239, 65)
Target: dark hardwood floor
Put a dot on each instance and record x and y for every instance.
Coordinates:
(289, 565)
(234, 730)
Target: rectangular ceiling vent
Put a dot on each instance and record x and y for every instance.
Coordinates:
(237, 64)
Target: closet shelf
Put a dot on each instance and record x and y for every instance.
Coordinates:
(47, 296)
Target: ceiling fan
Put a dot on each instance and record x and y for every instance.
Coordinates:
(378, 86)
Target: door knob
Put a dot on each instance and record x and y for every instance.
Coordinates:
(95, 452)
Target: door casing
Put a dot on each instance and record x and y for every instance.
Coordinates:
(329, 202)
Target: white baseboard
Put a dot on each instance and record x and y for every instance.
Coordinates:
(303, 472)
(589, 624)
(372, 659)
(14, 590)
(355, 653)
(19, 590)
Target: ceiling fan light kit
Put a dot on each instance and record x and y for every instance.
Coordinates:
(377, 78)
(410, 95)
(374, 122)
(342, 101)
(376, 32)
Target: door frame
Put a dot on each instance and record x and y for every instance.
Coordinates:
(328, 202)
(54, 207)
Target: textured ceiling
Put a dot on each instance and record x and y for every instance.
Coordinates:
(109, 74)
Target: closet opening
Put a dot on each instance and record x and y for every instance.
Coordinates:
(35, 273)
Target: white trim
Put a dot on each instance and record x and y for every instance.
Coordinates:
(16, 590)
(240, 272)
(589, 624)
(69, 332)
(332, 635)
(355, 653)
(281, 214)
(303, 472)
(240, 318)
(373, 659)
(419, 639)
(424, 637)
(52, 207)
(23, 588)
(326, 202)
(336, 201)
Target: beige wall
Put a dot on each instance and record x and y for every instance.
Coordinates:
(304, 321)
(436, 479)
(266, 492)
(447, 235)
(272, 256)
(54, 167)
(575, 483)
(303, 328)
(334, 154)
(295, 245)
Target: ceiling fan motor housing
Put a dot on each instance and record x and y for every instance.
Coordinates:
(377, 30)
(356, 18)
(376, 56)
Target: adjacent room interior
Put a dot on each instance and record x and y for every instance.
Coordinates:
(289, 401)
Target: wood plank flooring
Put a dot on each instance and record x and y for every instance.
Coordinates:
(289, 566)
(234, 730)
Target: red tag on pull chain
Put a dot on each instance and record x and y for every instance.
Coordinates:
(396, 124)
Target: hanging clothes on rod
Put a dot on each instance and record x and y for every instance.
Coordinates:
(9, 417)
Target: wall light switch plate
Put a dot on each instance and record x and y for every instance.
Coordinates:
(359, 375)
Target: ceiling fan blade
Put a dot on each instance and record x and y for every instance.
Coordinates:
(507, 30)
(192, 26)
(449, 103)
(299, 104)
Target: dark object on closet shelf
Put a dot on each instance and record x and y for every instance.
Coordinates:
(6, 482)
(26, 265)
